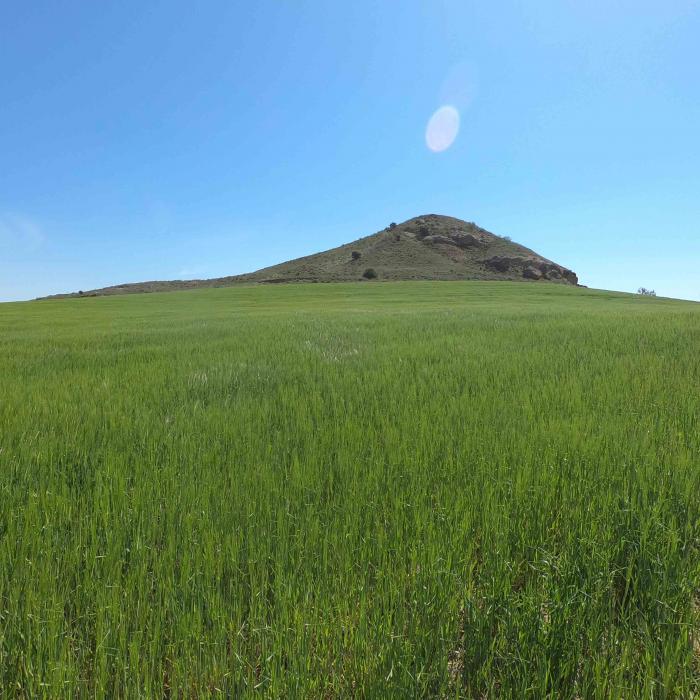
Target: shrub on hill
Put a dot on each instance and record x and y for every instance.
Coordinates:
(369, 274)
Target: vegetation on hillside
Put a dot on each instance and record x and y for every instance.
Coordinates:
(374, 490)
(428, 247)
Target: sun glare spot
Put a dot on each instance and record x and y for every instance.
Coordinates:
(442, 129)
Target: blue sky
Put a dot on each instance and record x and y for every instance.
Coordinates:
(161, 140)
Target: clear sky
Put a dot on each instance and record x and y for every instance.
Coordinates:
(161, 140)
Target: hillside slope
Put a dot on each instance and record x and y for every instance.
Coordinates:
(428, 247)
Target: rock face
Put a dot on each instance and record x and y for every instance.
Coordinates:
(531, 268)
(461, 240)
(428, 247)
(532, 273)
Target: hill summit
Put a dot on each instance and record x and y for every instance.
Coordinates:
(428, 247)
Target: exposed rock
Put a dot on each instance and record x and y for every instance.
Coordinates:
(531, 268)
(446, 240)
(466, 240)
(570, 276)
(532, 273)
(501, 263)
(556, 273)
(454, 237)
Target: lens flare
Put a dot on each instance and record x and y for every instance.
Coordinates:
(442, 129)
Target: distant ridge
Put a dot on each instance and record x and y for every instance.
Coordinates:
(428, 247)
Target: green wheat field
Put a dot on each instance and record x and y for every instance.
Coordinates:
(379, 490)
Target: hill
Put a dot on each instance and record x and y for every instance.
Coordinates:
(428, 247)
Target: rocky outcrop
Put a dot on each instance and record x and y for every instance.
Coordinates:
(531, 269)
(502, 263)
(456, 238)
(445, 240)
(532, 273)
(467, 240)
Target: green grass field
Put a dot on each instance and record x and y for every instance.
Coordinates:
(365, 490)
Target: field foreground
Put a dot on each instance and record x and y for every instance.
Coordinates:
(363, 490)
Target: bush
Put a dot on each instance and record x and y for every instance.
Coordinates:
(356, 255)
(369, 274)
(646, 292)
(392, 225)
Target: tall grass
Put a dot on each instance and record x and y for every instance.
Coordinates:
(375, 490)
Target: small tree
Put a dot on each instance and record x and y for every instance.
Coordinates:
(356, 255)
(392, 226)
(646, 292)
(369, 274)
